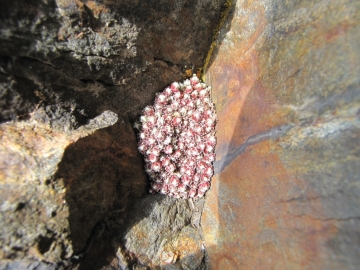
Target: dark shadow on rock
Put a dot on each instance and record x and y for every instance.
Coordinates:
(103, 174)
(103, 250)
(71, 64)
(157, 233)
(77, 57)
(177, 33)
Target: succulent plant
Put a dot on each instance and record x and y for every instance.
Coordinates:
(177, 139)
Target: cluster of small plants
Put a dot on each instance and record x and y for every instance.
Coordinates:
(177, 139)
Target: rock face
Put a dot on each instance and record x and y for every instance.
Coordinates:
(34, 207)
(285, 79)
(74, 75)
(163, 233)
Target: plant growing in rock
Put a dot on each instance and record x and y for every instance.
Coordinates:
(177, 139)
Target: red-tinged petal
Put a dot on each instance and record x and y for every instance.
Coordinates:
(168, 149)
(174, 87)
(181, 187)
(155, 166)
(185, 179)
(167, 91)
(188, 89)
(204, 186)
(192, 193)
(170, 168)
(152, 158)
(176, 121)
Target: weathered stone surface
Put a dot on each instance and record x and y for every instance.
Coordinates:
(114, 54)
(157, 232)
(67, 171)
(161, 235)
(34, 210)
(26, 264)
(285, 80)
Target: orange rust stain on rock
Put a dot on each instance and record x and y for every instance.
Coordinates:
(241, 100)
(230, 100)
(211, 216)
(337, 31)
(69, 3)
(325, 36)
(245, 109)
(22, 146)
(96, 8)
(225, 262)
(270, 216)
(213, 198)
(185, 246)
(270, 222)
(265, 230)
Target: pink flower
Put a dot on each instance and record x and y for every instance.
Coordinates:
(204, 186)
(167, 91)
(152, 158)
(176, 121)
(165, 161)
(209, 149)
(192, 193)
(148, 111)
(208, 171)
(175, 87)
(161, 99)
(155, 166)
(177, 138)
(174, 180)
(194, 80)
(170, 168)
(196, 115)
(168, 149)
(188, 89)
(181, 187)
(164, 189)
(185, 179)
(202, 93)
(180, 145)
(177, 154)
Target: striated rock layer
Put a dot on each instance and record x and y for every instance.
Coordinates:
(285, 195)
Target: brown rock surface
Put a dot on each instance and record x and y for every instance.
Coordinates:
(285, 79)
(35, 208)
(69, 173)
(161, 236)
(74, 75)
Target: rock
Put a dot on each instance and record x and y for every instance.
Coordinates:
(34, 210)
(285, 80)
(26, 264)
(155, 233)
(74, 76)
(161, 235)
(108, 53)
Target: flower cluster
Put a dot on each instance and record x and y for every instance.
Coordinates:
(177, 139)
